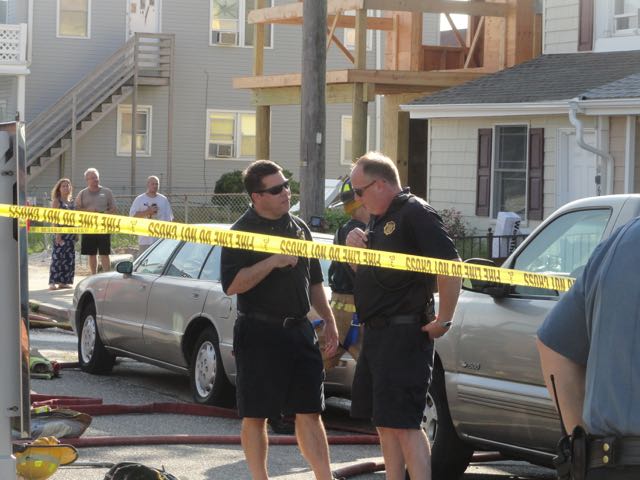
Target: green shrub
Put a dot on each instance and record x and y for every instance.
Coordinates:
(335, 217)
(231, 182)
(455, 223)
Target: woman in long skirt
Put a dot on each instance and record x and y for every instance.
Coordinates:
(63, 256)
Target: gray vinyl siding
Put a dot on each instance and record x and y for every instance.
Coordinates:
(59, 63)
(8, 96)
(203, 79)
(5, 12)
(561, 24)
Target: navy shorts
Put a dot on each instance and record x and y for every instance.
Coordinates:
(392, 376)
(95, 243)
(279, 370)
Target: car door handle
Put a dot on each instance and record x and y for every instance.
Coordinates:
(195, 295)
(142, 287)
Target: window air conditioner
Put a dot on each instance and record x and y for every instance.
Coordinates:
(222, 150)
(225, 38)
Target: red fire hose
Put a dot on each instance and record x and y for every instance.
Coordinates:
(96, 407)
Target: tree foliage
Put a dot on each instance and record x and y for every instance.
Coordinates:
(231, 182)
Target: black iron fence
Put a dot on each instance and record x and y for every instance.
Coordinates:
(495, 247)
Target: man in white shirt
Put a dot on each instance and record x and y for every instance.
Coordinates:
(150, 204)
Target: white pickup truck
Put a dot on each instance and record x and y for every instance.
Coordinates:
(488, 392)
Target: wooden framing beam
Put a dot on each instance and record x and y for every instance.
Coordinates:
(335, 93)
(474, 43)
(332, 37)
(345, 21)
(343, 49)
(292, 12)
(456, 32)
(380, 78)
(479, 9)
(332, 30)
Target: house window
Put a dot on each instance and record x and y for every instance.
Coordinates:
(350, 34)
(512, 179)
(229, 25)
(231, 134)
(74, 18)
(346, 150)
(143, 130)
(625, 16)
(510, 170)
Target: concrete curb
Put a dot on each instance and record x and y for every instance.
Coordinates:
(55, 311)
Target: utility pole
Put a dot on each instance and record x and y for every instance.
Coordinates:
(313, 108)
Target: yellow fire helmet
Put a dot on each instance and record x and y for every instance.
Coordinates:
(347, 198)
(41, 458)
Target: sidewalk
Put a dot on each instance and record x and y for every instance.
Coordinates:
(56, 303)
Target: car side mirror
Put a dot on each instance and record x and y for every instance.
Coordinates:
(496, 290)
(126, 268)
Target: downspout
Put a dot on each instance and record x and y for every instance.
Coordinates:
(577, 123)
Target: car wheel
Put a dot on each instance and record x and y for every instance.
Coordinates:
(93, 356)
(209, 382)
(450, 456)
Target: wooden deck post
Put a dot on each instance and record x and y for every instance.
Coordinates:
(359, 112)
(263, 112)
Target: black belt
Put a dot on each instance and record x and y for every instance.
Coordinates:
(284, 321)
(383, 322)
(614, 452)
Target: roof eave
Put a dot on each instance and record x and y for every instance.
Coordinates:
(468, 110)
(610, 106)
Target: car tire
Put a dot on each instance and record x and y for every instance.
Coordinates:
(208, 380)
(92, 355)
(450, 456)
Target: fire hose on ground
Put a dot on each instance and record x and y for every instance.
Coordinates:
(96, 407)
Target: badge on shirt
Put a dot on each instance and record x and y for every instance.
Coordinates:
(389, 228)
(300, 234)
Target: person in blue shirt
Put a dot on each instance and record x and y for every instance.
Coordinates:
(590, 343)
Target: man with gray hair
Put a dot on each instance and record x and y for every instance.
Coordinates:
(151, 204)
(398, 313)
(96, 198)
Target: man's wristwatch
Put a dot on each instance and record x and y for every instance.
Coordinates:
(445, 324)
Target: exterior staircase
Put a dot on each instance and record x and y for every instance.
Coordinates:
(146, 59)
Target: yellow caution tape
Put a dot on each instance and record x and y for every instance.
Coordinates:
(76, 230)
(91, 222)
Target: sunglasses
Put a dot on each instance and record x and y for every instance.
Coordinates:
(275, 190)
(360, 191)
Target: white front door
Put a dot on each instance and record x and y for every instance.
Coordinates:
(143, 16)
(576, 167)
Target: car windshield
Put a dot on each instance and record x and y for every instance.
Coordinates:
(565, 245)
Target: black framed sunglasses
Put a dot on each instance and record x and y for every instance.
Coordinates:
(360, 191)
(275, 190)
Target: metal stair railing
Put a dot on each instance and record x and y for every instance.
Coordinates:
(147, 55)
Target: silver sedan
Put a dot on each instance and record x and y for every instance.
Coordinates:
(168, 309)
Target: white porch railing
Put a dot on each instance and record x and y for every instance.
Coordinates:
(13, 44)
